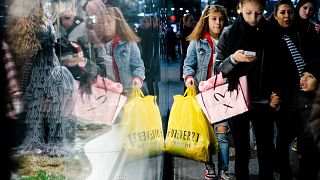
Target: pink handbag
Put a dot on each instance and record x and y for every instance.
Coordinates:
(102, 106)
(219, 104)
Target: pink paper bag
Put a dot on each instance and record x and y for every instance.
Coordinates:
(219, 104)
(99, 107)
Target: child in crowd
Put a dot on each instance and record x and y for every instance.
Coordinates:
(299, 111)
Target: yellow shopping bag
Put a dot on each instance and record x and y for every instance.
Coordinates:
(189, 133)
(142, 134)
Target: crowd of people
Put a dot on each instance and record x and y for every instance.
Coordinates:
(284, 51)
(283, 73)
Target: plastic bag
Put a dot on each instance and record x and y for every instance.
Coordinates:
(189, 133)
(142, 134)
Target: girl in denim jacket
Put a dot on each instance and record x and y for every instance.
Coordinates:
(198, 66)
(115, 52)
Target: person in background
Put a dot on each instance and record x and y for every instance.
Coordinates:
(305, 11)
(71, 35)
(287, 50)
(149, 45)
(314, 123)
(198, 66)
(4, 93)
(4, 128)
(186, 27)
(171, 38)
(249, 32)
(72, 26)
(299, 111)
(115, 52)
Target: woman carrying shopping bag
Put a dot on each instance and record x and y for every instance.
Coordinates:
(243, 50)
(114, 67)
(198, 66)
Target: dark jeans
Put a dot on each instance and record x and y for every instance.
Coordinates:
(262, 123)
(284, 137)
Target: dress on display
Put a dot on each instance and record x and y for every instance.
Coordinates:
(46, 96)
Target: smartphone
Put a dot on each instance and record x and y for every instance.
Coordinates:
(249, 53)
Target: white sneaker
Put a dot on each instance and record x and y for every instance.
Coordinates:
(224, 175)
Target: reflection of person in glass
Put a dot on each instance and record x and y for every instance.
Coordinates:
(171, 38)
(186, 27)
(71, 30)
(149, 34)
(115, 49)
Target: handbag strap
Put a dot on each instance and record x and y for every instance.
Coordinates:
(208, 37)
(115, 67)
(216, 78)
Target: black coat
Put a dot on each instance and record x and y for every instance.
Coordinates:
(299, 113)
(286, 76)
(314, 122)
(240, 35)
(309, 39)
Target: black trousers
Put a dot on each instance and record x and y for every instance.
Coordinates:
(284, 137)
(262, 123)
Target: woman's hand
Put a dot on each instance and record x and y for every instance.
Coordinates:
(275, 101)
(137, 82)
(72, 62)
(189, 82)
(239, 56)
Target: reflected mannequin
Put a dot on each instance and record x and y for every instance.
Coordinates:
(43, 82)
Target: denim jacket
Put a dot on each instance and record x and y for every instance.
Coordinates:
(197, 60)
(129, 63)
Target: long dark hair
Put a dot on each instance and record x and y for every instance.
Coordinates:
(301, 3)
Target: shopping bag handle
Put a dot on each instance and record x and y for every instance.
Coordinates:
(191, 91)
(136, 92)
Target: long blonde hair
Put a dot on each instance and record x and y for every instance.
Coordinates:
(122, 27)
(202, 26)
